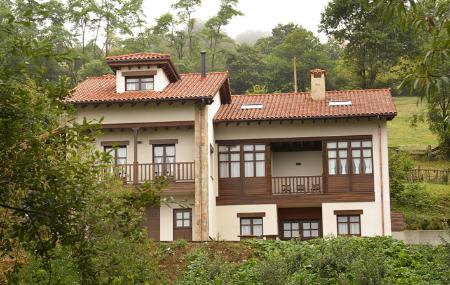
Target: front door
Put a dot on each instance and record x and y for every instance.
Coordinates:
(164, 159)
(182, 224)
(301, 229)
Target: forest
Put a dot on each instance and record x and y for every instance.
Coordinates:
(60, 225)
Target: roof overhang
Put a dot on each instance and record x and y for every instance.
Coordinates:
(165, 63)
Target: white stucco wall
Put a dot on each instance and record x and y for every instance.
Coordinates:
(284, 163)
(166, 216)
(228, 224)
(161, 80)
(138, 113)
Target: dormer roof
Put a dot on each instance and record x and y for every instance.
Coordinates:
(161, 60)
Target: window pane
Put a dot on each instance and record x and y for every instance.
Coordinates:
(342, 219)
(186, 215)
(306, 234)
(287, 234)
(179, 215)
(158, 159)
(343, 153)
(245, 230)
(332, 166)
(187, 223)
(248, 147)
(287, 226)
(295, 226)
(260, 147)
(356, 144)
(367, 165)
(257, 230)
(179, 223)
(223, 148)
(343, 166)
(248, 156)
(331, 154)
(235, 157)
(314, 233)
(147, 79)
(249, 169)
(354, 219)
(295, 233)
(257, 221)
(354, 228)
(158, 151)
(224, 170)
(343, 229)
(315, 226)
(306, 226)
(356, 153)
(147, 86)
(245, 221)
(342, 144)
(331, 145)
(259, 156)
(223, 157)
(367, 153)
(235, 147)
(170, 150)
(121, 152)
(235, 169)
(367, 144)
(260, 165)
(121, 161)
(356, 166)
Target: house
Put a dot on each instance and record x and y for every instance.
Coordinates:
(294, 165)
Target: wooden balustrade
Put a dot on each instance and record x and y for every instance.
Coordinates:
(178, 171)
(297, 185)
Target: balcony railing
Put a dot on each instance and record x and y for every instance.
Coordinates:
(297, 185)
(177, 172)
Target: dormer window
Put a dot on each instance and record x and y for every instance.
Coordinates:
(138, 83)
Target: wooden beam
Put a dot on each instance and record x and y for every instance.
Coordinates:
(148, 125)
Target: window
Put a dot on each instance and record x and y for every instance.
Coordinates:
(346, 157)
(251, 226)
(291, 230)
(310, 229)
(182, 218)
(349, 225)
(139, 83)
(164, 158)
(118, 154)
(254, 160)
(301, 229)
(229, 161)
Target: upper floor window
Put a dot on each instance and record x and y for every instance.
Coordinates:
(346, 157)
(118, 154)
(133, 83)
(229, 161)
(254, 160)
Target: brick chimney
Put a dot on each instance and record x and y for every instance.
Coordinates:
(318, 83)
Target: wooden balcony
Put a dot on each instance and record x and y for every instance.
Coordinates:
(297, 185)
(180, 174)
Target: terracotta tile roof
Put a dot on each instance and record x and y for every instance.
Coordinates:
(137, 56)
(190, 86)
(365, 103)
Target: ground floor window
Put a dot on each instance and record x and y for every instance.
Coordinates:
(251, 226)
(301, 229)
(182, 218)
(349, 225)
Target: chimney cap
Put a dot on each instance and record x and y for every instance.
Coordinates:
(318, 71)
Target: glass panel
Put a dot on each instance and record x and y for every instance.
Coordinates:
(260, 147)
(356, 153)
(248, 169)
(248, 156)
(158, 159)
(306, 226)
(257, 221)
(315, 226)
(187, 223)
(223, 157)
(354, 219)
(223, 148)
(245, 221)
(331, 145)
(179, 215)
(367, 165)
(287, 234)
(295, 226)
(356, 144)
(342, 144)
(343, 153)
(342, 219)
(248, 147)
(235, 157)
(132, 80)
(356, 166)
(343, 229)
(186, 215)
(367, 153)
(354, 228)
(122, 152)
(235, 169)
(331, 154)
(260, 171)
(235, 147)
(224, 170)
(306, 234)
(315, 233)
(170, 159)
(257, 230)
(179, 223)
(245, 230)
(367, 144)
(287, 226)
(158, 151)
(147, 85)
(259, 156)
(343, 166)
(121, 161)
(170, 150)
(332, 166)
(296, 234)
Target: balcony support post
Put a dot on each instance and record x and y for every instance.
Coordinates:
(135, 156)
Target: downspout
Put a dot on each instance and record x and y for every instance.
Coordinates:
(380, 155)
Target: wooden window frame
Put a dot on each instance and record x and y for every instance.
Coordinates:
(228, 152)
(140, 83)
(251, 226)
(114, 148)
(301, 229)
(164, 156)
(349, 157)
(254, 160)
(318, 229)
(182, 210)
(348, 223)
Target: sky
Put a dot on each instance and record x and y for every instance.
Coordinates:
(259, 15)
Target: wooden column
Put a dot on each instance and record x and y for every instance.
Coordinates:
(135, 156)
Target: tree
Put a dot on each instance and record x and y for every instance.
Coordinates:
(371, 45)
(214, 26)
(80, 12)
(186, 8)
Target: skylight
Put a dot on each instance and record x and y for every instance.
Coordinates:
(340, 103)
(252, 106)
